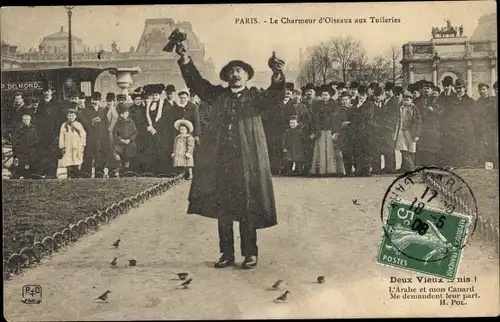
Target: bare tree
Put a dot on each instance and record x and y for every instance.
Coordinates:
(394, 56)
(380, 70)
(359, 67)
(345, 51)
(309, 72)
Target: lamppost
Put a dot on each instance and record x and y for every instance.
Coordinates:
(70, 43)
(436, 59)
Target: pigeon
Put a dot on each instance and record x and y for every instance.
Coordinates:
(182, 276)
(116, 244)
(114, 261)
(355, 202)
(186, 283)
(132, 262)
(282, 298)
(104, 296)
(277, 284)
(321, 279)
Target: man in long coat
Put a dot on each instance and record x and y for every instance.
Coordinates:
(232, 178)
(383, 126)
(48, 120)
(486, 126)
(98, 148)
(458, 139)
(429, 140)
(304, 112)
(362, 124)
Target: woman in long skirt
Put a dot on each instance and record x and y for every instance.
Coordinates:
(327, 156)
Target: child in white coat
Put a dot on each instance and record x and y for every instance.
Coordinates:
(72, 141)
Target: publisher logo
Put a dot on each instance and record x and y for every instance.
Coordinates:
(32, 294)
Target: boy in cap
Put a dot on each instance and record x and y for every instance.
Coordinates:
(24, 143)
(407, 132)
(436, 91)
(124, 135)
(230, 151)
(293, 148)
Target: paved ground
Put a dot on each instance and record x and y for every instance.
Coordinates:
(320, 232)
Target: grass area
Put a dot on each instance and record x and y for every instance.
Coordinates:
(484, 186)
(34, 209)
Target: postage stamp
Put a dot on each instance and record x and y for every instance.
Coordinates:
(425, 229)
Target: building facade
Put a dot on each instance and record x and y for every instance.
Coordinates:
(156, 65)
(473, 60)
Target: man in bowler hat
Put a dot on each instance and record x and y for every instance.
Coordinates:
(232, 177)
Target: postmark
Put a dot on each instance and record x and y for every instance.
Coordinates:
(428, 215)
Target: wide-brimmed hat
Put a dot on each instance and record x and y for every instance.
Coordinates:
(224, 71)
(189, 125)
(153, 88)
(460, 83)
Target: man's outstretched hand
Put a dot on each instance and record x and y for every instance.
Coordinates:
(180, 49)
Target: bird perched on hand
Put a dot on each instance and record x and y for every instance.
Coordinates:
(355, 202)
(277, 284)
(282, 298)
(186, 283)
(114, 261)
(182, 276)
(116, 244)
(321, 279)
(104, 296)
(132, 262)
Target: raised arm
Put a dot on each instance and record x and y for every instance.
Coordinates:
(193, 79)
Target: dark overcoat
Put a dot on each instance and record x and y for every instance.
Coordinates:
(24, 141)
(486, 128)
(259, 208)
(458, 137)
(384, 121)
(430, 134)
(293, 142)
(98, 138)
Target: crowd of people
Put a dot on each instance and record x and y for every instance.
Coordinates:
(338, 130)
(330, 130)
(88, 135)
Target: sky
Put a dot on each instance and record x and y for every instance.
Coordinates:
(225, 40)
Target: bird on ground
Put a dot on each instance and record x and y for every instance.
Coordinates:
(116, 244)
(114, 261)
(277, 284)
(355, 202)
(186, 283)
(182, 276)
(104, 296)
(282, 298)
(321, 279)
(132, 262)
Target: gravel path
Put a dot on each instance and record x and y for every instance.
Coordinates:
(320, 232)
